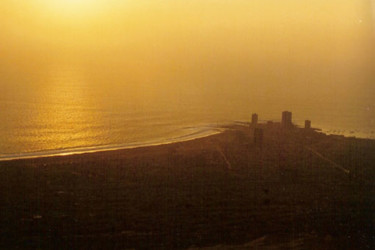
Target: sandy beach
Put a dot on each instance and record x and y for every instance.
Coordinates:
(300, 189)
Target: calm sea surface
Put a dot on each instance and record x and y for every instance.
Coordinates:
(74, 108)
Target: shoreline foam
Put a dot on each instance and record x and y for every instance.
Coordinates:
(199, 132)
(153, 197)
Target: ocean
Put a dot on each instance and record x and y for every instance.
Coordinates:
(88, 76)
(76, 108)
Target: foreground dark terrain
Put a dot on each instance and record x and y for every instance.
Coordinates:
(300, 190)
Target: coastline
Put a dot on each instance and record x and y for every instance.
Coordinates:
(199, 133)
(299, 187)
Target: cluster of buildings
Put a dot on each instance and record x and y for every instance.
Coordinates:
(286, 120)
(286, 123)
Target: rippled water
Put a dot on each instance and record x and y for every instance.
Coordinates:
(64, 109)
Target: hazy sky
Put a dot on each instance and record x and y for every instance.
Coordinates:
(279, 49)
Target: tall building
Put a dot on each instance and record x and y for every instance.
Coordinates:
(286, 120)
(307, 124)
(254, 119)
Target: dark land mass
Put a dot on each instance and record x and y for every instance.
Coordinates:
(300, 190)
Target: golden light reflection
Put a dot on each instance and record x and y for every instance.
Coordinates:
(66, 114)
(152, 55)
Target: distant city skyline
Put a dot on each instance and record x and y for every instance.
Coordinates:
(72, 73)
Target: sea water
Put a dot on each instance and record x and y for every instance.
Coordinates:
(74, 108)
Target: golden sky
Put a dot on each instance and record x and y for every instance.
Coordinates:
(291, 42)
(123, 23)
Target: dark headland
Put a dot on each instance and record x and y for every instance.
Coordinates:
(291, 188)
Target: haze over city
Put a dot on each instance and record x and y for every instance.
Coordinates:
(180, 124)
